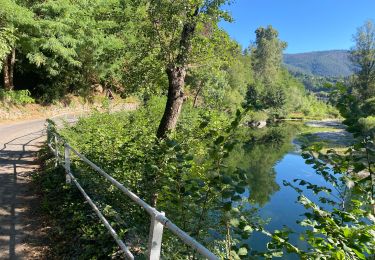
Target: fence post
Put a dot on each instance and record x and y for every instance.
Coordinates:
(48, 132)
(57, 150)
(67, 163)
(155, 238)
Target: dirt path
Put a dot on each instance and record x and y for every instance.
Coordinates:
(21, 233)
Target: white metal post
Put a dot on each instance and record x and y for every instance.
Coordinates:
(155, 238)
(57, 150)
(68, 179)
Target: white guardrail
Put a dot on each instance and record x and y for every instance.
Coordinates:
(158, 219)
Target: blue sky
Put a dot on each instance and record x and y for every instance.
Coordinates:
(307, 25)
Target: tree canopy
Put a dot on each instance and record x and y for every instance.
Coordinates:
(145, 48)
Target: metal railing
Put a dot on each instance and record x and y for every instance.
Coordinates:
(158, 219)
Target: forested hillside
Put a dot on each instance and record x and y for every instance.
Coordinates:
(317, 70)
(335, 63)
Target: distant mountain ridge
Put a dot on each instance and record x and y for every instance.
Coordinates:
(333, 63)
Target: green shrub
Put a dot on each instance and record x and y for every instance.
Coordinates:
(367, 124)
(368, 107)
(312, 107)
(176, 173)
(257, 116)
(16, 97)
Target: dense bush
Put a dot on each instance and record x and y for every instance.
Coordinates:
(17, 97)
(367, 124)
(317, 109)
(184, 176)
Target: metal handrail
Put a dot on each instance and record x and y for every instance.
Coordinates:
(158, 219)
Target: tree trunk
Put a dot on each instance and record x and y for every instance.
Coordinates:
(11, 68)
(176, 79)
(6, 73)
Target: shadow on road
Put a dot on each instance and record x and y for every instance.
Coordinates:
(19, 228)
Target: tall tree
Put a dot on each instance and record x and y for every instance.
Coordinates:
(267, 54)
(81, 43)
(7, 41)
(174, 26)
(363, 56)
(211, 73)
(14, 21)
(267, 66)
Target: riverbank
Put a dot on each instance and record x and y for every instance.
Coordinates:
(330, 134)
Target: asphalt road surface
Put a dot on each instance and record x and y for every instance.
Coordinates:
(18, 145)
(22, 233)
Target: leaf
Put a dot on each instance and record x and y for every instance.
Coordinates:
(242, 251)
(171, 143)
(219, 140)
(234, 222)
(347, 232)
(340, 255)
(248, 228)
(359, 254)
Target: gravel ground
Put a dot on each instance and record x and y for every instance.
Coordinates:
(336, 134)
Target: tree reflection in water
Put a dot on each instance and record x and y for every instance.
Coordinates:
(257, 152)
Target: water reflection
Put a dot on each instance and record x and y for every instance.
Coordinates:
(257, 152)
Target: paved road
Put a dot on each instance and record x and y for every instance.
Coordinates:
(18, 144)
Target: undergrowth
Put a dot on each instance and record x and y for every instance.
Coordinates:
(16, 97)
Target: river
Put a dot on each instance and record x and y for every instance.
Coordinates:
(271, 157)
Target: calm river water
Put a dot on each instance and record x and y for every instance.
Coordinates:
(271, 156)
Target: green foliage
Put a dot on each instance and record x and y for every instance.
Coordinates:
(345, 227)
(7, 40)
(367, 125)
(363, 56)
(70, 46)
(14, 18)
(274, 89)
(317, 109)
(317, 84)
(219, 79)
(355, 99)
(198, 176)
(88, 45)
(267, 55)
(16, 97)
(166, 23)
(340, 220)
